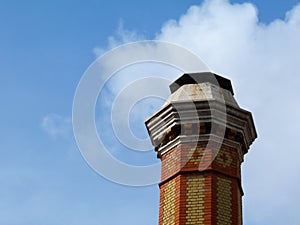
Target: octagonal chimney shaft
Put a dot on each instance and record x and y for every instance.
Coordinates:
(201, 136)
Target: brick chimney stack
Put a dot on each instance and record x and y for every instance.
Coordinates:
(201, 136)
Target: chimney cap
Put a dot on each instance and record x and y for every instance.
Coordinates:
(196, 78)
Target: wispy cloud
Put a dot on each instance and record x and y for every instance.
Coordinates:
(122, 36)
(56, 125)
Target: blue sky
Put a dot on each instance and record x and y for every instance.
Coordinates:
(45, 47)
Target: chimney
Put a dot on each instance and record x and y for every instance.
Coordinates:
(201, 136)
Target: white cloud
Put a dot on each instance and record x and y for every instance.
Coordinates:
(56, 125)
(262, 61)
(122, 36)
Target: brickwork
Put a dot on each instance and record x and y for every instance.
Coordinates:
(208, 195)
(195, 155)
(224, 201)
(227, 162)
(168, 204)
(170, 163)
(195, 200)
(196, 158)
(224, 159)
(239, 207)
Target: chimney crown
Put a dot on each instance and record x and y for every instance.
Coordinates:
(196, 78)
